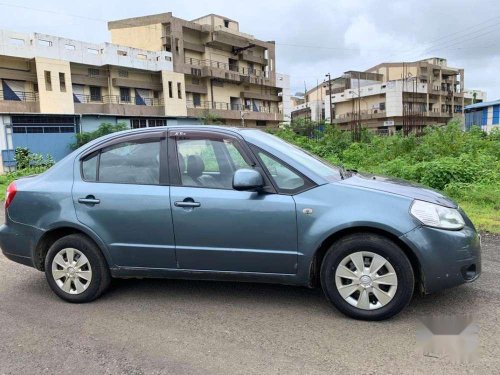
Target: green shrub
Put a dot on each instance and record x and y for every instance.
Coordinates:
(465, 165)
(104, 129)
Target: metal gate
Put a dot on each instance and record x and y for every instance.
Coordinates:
(44, 134)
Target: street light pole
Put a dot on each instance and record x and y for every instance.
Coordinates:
(330, 95)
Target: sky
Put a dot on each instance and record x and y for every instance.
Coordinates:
(312, 37)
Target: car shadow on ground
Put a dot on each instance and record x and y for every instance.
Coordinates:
(151, 292)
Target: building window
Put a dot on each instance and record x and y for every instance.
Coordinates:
(93, 72)
(95, 94)
(137, 123)
(157, 122)
(125, 94)
(217, 83)
(196, 72)
(261, 123)
(123, 73)
(381, 106)
(45, 43)
(179, 90)
(48, 81)
(195, 81)
(62, 82)
(226, 23)
(170, 93)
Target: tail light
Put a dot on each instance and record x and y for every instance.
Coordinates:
(11, 193)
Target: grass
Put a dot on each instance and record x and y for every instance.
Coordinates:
(486, 218)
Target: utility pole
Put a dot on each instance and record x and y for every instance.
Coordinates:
(330, 95)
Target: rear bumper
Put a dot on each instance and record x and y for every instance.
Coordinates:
(17, 243)
(447, 258)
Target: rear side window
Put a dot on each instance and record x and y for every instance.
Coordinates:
(89, 167)
(125, 163)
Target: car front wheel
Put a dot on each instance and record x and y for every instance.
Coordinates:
(76, 269)
(367, 276)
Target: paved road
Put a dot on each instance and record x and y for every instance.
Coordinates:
(193, 327)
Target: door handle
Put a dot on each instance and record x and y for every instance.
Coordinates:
(187, 203)
(89, 199)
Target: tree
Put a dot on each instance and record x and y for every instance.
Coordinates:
(307, 127)
(209, 118)
(104, 129)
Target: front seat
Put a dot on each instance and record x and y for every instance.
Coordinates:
(195, 169)
(186, 180)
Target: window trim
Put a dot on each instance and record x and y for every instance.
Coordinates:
(308, 185)
(248, 155)
(142, 138)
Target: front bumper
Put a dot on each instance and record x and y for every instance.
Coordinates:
(447, 258)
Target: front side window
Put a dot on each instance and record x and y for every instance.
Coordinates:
(287, 180)
(313, 163)
(209, 162)
(134, 162)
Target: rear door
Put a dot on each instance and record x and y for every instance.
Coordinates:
(221, 229)
(120, 192)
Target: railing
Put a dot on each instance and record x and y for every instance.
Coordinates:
(230, 107)
(226, 66)
(117, 99)
(19, 96)
(366, 113)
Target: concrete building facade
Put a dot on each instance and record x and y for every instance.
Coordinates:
(228, 73)
(52, 88)
(384, 97)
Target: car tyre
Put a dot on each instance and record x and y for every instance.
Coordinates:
(350, 283)
(76, 269)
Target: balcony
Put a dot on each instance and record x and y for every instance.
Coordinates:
(119, 105)
(19, 102)
(366, 114)
(233, 111)
(436, 112)
(249, 56)
(229, 72)
(270, 95)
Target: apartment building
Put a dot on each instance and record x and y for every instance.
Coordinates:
(52, 88)
(389, 96)
(228, 73)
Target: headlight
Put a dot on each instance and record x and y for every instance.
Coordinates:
(437, 216)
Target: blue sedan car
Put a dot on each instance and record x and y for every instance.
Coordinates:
(205, 202)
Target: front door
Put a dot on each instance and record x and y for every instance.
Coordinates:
(121, 194)
(221, 229)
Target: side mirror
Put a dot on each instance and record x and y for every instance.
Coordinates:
(247, 179)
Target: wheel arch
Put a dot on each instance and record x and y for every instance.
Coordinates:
(315, 264)
(55, 233)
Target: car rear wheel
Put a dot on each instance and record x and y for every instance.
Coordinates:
(76, 269)
(367, 276)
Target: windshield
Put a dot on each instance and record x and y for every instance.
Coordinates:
(319, 166)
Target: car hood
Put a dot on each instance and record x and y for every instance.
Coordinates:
(400, 187)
